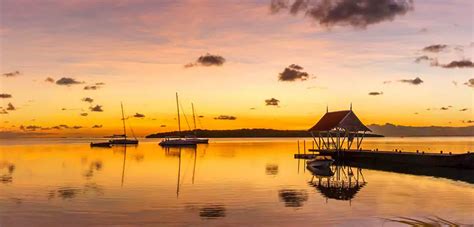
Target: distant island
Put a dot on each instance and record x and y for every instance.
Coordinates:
(242, 133)
(377, 131)
(400, 130)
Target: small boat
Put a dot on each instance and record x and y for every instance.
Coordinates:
(320, 171)
(101, 144)
(172, 141)
(194, 137)
(197, 140)
(178, 141)
(123, 141)
(320, 161)
(123, 138)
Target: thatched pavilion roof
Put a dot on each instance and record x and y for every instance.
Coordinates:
(345, 119)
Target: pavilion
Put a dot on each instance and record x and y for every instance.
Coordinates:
(335, 128)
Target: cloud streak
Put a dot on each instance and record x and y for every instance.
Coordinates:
(293, 73)
(355, 13)
(207, 60)
(470, 83)
(139, 115)
(96, 108)
(459, 64)
(416, 81)
(91, 87)
(11, 74)
(49, 80)
(435, 48)
(272, 102)
(67, 81)
(375, 93)
(88, 99)
(225, 117)
(453, 64)
(10, 107)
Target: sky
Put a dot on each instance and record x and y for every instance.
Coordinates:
(66, 66)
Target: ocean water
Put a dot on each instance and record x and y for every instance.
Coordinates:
(229, 182)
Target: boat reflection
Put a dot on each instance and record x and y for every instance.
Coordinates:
(177, 152)
(337, 182)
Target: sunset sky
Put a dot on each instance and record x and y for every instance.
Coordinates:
(256, 64)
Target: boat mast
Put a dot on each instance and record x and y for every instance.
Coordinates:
(123, 119)
(194, 117)
(179, 120)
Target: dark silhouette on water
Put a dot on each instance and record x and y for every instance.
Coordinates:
(293, 197)
(123, 138)
(212, 211)
(337, 182)
(465, 175)
(271, 169)
(177, 140)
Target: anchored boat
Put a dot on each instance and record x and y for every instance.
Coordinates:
(178, 141)
(101, 144)
(123, 138)
(320, 162)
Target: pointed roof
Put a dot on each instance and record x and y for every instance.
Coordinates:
(344, 119)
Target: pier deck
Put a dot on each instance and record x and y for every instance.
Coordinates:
(465, 160)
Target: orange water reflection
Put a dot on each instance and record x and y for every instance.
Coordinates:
(227, 182)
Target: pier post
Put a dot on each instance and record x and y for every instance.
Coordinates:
(304, 146)
(298, 146)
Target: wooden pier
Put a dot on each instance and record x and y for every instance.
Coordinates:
(464, 161)
(335, 133)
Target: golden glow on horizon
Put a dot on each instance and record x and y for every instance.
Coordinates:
(141, 65)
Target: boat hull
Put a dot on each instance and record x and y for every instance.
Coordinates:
(123, 141)
(465, 161)
(101, 144)
(199, 140)
(319, 163)
(177, 143)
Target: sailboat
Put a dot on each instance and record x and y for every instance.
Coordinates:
(177, 141)
(193, 137)
(123, 138)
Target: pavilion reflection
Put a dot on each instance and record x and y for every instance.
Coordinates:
(337, 182)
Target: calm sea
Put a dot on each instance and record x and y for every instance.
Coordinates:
(239, 182)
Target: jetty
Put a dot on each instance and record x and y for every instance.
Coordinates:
(340, 134)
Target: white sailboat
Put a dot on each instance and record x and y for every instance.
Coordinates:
(123, 138)
(320, 162)
(193, 137)
(177, 140)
